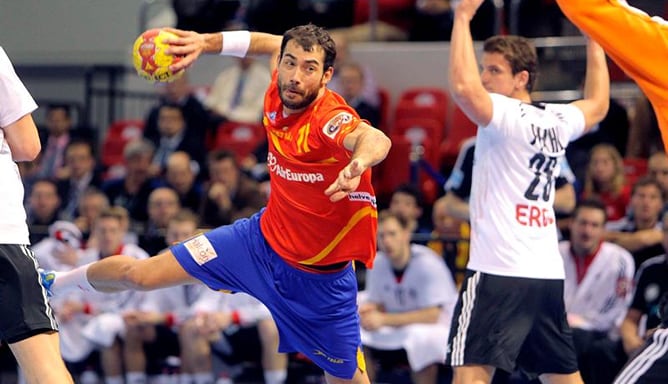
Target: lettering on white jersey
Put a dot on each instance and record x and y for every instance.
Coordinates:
(334, 124)
(288, 174)
(362, 196)
(533, 216)
(200, 249)
(546, 139)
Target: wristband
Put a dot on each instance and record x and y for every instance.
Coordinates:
(235, 43)
(169, 320)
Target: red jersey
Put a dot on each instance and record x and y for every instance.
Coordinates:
(306, 154)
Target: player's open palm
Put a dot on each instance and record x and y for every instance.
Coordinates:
(189, 46)
(347, 181)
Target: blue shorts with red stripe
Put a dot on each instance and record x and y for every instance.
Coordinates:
(316, 313)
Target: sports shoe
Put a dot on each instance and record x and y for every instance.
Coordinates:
(47, 278)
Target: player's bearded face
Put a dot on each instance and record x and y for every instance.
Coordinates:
(297, 96)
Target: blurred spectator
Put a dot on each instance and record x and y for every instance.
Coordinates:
(433, 21)
(351, 80)
(179, 93)
(121, 352)
(237, 93)
(613, 130)
(205, 15)
(647, 365)
(604, 180)
(59, 250)
(395, 18)
(236, 329)
(407, 202)
(450, 239)
(161, 314)
(60, 130)
(599, 280)
(181, 176)
(369, 93)
(651, 282)
(42, 208)
(174, 136)
(231, 194)
(91, 205)
(640, 231)
(79, 173)
(644, 135)
(163, 204)
(657, 167)
(410, 297)
(131, 191)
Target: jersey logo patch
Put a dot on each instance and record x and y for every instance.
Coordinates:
(334, 124)
(200, 249)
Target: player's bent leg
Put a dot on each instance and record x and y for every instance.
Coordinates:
(553, 378)
(472, 374)
(40, 360)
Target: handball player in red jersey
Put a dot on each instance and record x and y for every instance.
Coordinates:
(296, 254)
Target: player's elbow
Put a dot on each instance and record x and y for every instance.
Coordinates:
(27, 151)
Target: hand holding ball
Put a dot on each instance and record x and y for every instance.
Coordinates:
(149, 57)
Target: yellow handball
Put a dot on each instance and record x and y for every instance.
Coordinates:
(150, 59)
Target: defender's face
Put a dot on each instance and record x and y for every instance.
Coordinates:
(301, 76)
(497, 75)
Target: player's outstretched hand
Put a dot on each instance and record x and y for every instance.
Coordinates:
(347, 181)
(189, 46)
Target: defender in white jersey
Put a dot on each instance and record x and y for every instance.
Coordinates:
(27, 323)
(410, 295)
(511, 310)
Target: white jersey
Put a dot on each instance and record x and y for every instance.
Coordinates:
(604, 294)
(15, 102)
(517, 156)
(425, 283)
(249, 309)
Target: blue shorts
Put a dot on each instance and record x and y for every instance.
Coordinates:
(316, 314)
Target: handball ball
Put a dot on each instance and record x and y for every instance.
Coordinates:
(150, 59)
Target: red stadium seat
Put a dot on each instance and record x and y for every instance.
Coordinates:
(240, 138)
(422, 131)
(422, 102)
(458, 129)
(118, 134)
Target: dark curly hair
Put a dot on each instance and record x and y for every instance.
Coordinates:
(310, 36)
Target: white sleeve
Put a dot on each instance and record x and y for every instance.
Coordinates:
(15, 100)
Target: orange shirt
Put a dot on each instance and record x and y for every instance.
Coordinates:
(306, 154)
(637, 42)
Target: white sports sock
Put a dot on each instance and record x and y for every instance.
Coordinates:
(276, 376)
(73, 280)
